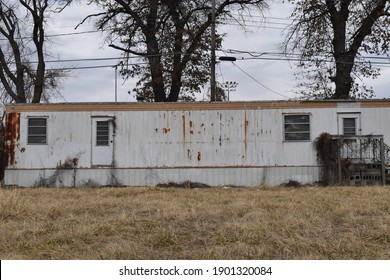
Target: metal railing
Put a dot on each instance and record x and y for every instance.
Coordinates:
(361, 158)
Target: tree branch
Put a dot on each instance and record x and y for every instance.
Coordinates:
(366, 27)
(127, 50)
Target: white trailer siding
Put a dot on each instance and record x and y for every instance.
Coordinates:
(376, 121)
(239, 143)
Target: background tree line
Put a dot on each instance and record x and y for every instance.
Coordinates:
(172, 38)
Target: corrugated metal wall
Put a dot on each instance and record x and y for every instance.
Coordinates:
(233, 146)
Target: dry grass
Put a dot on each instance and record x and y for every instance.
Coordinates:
(156, 223)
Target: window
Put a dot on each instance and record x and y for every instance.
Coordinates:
(349, 126)
(296, 127)
(37, 131)
(102, 133)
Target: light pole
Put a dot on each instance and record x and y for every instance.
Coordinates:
(230, 86)
(212, 79)
(116, 83)
(116, 79)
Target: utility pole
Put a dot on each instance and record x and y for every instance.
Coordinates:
(212, 80)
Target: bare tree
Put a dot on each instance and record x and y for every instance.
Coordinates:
(171, 37)
(23, 73)
(333, 36)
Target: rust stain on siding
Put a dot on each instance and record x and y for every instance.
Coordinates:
(12, 137)
(199, 156)
(246, 123)
(191, 127)
(183, 117)
(166, 130)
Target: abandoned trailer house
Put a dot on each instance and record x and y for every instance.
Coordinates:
(223, 143)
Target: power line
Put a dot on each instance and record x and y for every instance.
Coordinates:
(263, 17)
(232, 23)
(260, 22)
(83, 67)
(73, 33)
(57, 35)
(106, 58)
(82, 59)
(257, 81)
(92, 67)
(256, 23)
(255, 55)
(260, 53)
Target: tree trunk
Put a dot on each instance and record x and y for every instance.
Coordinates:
(343, 80)
(343, 54)
(177, 73)
(175, 87)
(157, 77)
(154, 55)
(40, 80)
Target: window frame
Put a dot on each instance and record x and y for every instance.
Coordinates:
(302, 132)
(349, 115)
(30, 134)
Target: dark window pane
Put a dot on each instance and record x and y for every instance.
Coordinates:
(102, 142)
(37, 122)
(102, 124)
(37, 130)
(349, 131)
(36, 139)
(349, 126)
(296, 119)
(102, 133)
(296, 127)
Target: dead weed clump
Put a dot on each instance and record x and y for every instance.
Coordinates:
(185, 185)
(194, 223)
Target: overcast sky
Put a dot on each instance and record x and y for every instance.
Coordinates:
(258, 78)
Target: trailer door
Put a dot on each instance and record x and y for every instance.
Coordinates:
(102, 141)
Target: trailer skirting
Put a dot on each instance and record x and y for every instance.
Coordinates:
(213, 176)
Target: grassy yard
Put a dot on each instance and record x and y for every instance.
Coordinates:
(215, 223)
